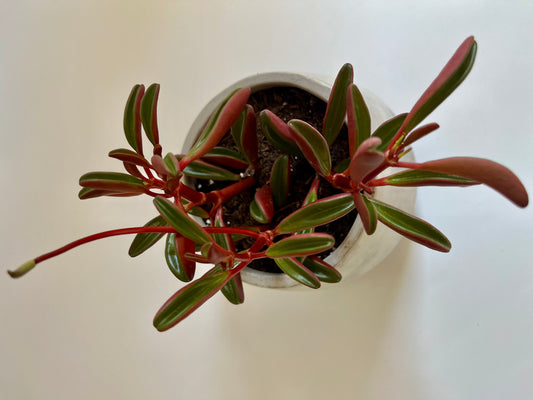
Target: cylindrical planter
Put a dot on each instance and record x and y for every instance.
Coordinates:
(359, 252)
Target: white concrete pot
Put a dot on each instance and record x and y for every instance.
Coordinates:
(358, 253)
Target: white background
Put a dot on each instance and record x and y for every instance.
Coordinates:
(422, 325)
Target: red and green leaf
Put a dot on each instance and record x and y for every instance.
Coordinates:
(387, 130)
(301, 245)
(245, 135)
(419, 133)
(172, 164)
(262, 206)
(322, 270)
(367, 212)
(132, 118)
(279, 180)
(88, 193)
(415, 177)
(176, 246)
(277, 132)
(358, 118)
(188, 299)
(220, 123)
(484, 171)
(227, 158)
(411, 227)
(317, 213)
(180, 221)
(366, 159)
(202, 170)
(451, 76)
(336, 108)
(143, 241)
(312, 145)
(297, 271)
(129, 156)
(149, 113)
(114, 182)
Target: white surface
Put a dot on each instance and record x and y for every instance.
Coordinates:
(423, 325)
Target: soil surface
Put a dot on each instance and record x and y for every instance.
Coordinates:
(287, 103)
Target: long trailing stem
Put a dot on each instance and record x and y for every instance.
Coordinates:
(29, 265)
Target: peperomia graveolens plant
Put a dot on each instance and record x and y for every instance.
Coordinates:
(292, 243)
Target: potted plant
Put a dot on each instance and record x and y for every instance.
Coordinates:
(223, 164)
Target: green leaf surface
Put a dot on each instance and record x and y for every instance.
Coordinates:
(188, 299)
(203, 170)
(299, 272)
(180, 221)
(317, 213)
(426, 178)
(336, 108)
(323, 271)
(225, 157)
(358, 118)
(220, 123)
(175, 249)
(411, 227)
(451, 76)
(301, 245)
(492, 174)
(129, 156)
(132, 118)
(149, 113)
(112, 181)
(88, 193)
(143, 241)
(372, 216)
(171, 164)
(245, 135)
(233, 290)
(388, 129)
(277, 132)
(312, 145)
(279, 180)
(262, 206)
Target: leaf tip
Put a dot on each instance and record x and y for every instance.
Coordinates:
(22, 270)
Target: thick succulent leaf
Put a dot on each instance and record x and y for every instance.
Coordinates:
(419, 133)
(133, 170)
(358, 118)
(129, 156)
(233, 290)
(171, 164)
(188, 299)
(387, 130)
(312, 194)
(336, 109)
(323, 271)
(176, 247)
(132, 118)
(143, 241)
(222, 239)
(279, 180)
(484, 171)
(262, 206)
(342, 165)
(225, 157)
(367, 213)
(245, 135)
(112, 181)
(149, 113)
(203, 170)
(415, 177)
(180, 221)
(366, 159)
(88, 193)
(312, 145)
(220, 123)
(411, 227)
(301, 245)
(196, 211)
(277, 132)
(317, 213)
(299, 272)
(158, 164)
(451, 76)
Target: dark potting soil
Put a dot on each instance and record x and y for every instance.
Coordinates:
(287, 103)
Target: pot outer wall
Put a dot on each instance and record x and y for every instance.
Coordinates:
(359, 252)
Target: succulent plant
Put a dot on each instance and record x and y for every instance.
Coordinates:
(292, 243)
